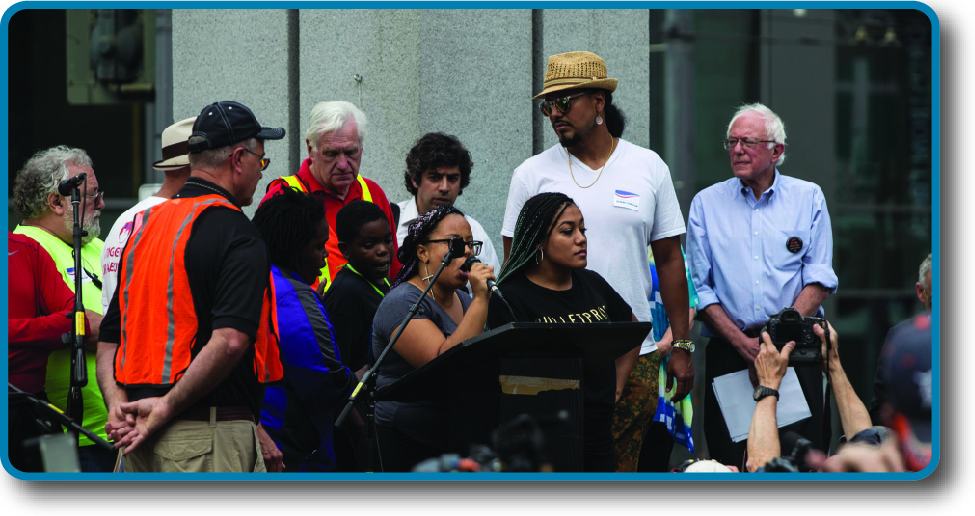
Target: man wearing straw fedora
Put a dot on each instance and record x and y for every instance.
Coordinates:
(628, 201)
(176, 165)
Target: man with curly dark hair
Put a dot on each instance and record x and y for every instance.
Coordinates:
(438, 168)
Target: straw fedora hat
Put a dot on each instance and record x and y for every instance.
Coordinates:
(573, 70)
(174, 148)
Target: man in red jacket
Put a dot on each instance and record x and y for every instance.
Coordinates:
(334, 139)
(39, 304)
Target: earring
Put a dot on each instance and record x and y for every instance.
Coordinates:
(599, 120)
(537, 260)
(427, 272)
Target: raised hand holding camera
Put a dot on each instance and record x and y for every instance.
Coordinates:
(789, 326)
(772, 362)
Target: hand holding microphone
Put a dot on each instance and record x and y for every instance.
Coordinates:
(491, 284)
(481, 278)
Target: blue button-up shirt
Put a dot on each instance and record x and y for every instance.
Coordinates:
(738, 252)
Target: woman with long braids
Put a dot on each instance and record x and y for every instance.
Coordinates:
(545, 280)
(409, 432)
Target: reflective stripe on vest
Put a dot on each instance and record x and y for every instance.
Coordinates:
(159, 323)
(295, 183)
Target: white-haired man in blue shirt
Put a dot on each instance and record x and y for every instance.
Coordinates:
(757, 243)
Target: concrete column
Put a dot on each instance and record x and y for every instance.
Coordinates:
(679, 103)
(370, 58)
(463, 72)
(236, 55)
(476, 77)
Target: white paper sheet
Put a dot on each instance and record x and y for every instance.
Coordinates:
(734, 392)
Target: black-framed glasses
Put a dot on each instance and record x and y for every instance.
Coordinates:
(456, 244)
(264, 161)
(562, 103)
(748, 143)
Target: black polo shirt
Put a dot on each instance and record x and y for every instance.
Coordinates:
(227, 266)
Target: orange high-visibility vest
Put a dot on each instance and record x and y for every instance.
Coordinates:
(159, 322)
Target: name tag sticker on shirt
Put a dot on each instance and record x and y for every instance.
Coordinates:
(84, 277)
(628, 200)
(794, 245)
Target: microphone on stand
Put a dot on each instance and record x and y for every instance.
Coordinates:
(65, 187)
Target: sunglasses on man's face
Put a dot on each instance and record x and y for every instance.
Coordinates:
(562, 103)
(263, 161)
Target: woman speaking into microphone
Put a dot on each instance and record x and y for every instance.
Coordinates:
(409, 432)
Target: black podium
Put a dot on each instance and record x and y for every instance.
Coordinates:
(519, 368)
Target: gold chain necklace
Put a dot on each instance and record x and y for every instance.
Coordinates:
(611, 147)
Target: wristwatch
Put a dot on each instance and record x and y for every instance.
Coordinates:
(685, 344)
(762, 391)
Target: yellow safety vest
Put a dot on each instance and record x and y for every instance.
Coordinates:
(296, 184)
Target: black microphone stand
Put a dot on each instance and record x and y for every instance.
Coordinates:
(76, 338)
(368, 383)
(55, 415)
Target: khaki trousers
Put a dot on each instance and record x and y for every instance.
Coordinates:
(199, 446)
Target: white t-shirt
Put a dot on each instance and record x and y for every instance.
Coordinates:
(408, 213)
(114, 242)
(632, 204)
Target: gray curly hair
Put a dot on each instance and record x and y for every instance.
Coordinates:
(40, 176)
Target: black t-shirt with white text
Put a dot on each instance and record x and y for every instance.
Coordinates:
(591, 299)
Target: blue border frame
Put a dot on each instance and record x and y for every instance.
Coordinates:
(616, 477)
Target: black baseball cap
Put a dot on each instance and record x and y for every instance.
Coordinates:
(225, 123)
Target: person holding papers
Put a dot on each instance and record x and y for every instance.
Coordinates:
(757, 243)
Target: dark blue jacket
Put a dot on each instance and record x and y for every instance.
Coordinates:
(300, 413)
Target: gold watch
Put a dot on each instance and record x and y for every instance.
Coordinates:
(685, 344)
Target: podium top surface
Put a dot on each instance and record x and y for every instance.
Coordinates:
(590, 341)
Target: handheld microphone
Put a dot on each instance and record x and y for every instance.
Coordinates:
(492, 285)
(65, 187)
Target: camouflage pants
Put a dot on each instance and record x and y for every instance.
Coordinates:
(634, 411)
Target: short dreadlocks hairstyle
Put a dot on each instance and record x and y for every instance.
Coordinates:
(350, 219)
(533, 227)
(419, 230)
(435, 150)
(288, 221)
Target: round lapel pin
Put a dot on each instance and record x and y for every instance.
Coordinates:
(794, 245)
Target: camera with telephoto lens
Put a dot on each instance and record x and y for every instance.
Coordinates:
(788, 325)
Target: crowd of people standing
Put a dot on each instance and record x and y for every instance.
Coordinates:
(221, 343)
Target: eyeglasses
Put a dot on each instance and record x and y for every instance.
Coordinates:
(96, 198)
(455, 243)
(264, 161)
(748, 143)
(562, 103)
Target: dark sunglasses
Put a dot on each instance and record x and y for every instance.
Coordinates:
(562, 103)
